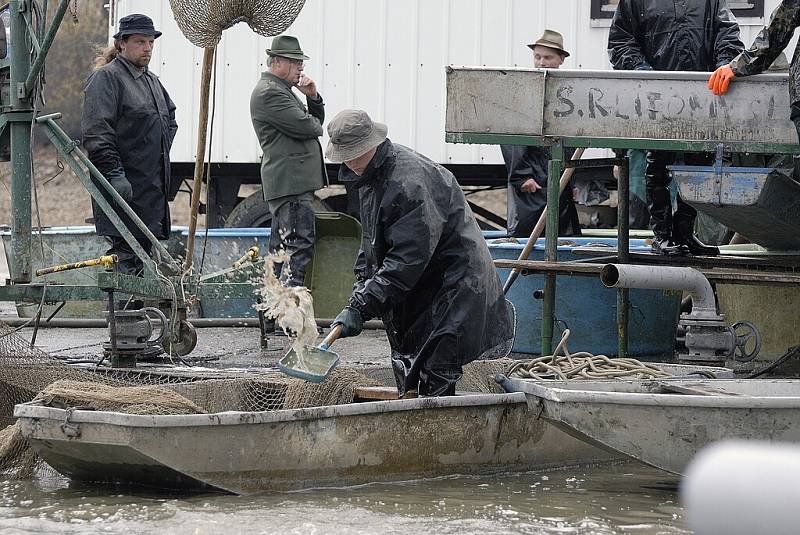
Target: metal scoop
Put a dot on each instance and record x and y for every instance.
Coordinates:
(315, 363)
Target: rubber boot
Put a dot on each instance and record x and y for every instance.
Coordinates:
(663, 245)
(659, 203)
(436, 383)
(683, 234)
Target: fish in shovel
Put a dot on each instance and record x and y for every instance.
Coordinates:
(312, 363)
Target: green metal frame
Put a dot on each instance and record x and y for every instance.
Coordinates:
(623, 143)
(79, 163)
(163, 278)
(555, 168)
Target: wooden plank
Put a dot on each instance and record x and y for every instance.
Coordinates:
(378, 393)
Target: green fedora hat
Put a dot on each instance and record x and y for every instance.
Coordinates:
(286, 46)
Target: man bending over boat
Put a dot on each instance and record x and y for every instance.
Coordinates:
(423, 266)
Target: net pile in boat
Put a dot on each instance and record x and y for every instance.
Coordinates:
(203, 21)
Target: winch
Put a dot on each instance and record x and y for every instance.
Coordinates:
(135, 334)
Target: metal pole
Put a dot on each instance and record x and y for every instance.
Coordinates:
(20, 259)
(112, 330)
(551, 246)
(38, 64)
(623, 250)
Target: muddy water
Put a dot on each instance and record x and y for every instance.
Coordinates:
(624, 499)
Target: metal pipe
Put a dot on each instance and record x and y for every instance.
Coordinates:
(551, 247)
(38, 64)
(623, 254)
(200, 323)
(106, 261)
(664, 278)
(20, 126)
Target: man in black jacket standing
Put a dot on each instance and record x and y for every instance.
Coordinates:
(527, 165)
(672, 35)
(128, 127)
(424, 267)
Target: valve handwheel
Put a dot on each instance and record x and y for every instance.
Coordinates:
(744, 333)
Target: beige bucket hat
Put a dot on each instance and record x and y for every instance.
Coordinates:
(551, 39)
(353, 133)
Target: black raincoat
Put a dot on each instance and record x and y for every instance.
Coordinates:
(673, 35)
(524, 209)
(128, 128)
(425, 269)
(768, 45)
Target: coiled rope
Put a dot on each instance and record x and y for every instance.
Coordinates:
(582, 365)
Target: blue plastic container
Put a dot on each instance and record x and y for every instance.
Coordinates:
(223, 247)
(588, 308)
(494, 234)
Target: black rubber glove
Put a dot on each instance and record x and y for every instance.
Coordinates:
(351, 320)
(120, 183)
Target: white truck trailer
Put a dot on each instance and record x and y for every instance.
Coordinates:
(387, 57)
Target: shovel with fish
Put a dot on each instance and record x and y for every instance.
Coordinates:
(311, 363)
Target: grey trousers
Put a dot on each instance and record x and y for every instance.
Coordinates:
(293, 232)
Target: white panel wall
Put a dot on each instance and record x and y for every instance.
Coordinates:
(385, 56)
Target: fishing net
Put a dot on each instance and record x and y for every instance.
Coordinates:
(203, 21)
(28, 373)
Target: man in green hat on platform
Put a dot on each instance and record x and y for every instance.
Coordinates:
(292, 166)
(527, 166)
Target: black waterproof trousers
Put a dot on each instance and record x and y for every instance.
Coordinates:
(129, 263)
(664, 224)
(293, 232)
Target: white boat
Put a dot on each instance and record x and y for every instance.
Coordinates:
(250, 452)
(665, 422)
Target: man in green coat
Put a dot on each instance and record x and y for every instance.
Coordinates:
(292, 166)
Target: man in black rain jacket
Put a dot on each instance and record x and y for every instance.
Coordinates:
(423, 267)
(672, 35)
(128, 127)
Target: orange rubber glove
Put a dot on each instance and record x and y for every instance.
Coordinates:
(719, 81)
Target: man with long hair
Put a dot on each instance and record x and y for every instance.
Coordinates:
(128, 127)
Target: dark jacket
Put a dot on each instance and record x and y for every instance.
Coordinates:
(673, 35)
(424, 266)
(524, 209)
(128, 127)
(770, 42)
(292, 161)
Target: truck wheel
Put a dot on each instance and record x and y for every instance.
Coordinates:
(254, 212)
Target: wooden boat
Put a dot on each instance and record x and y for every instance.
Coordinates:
(665, 422)
(250, 452)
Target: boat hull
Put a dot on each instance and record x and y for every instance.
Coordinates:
(666, 430)
(246, 452)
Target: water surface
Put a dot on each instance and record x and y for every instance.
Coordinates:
(623, 499)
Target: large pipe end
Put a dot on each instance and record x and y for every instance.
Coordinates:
(609, 275)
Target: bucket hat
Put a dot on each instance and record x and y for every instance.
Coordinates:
(286, 46)
(353, 133)
(136, 24)
(551, 39)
